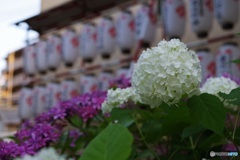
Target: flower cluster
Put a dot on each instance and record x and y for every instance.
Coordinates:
(218, 84)
(74, 135)
(166, 73)
(117, 97)
(44, 154)
(30, 141)
(86, 106)
(47, 127)
(122, 82)
(237, 80)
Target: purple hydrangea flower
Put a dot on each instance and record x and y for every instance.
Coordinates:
(122, 82)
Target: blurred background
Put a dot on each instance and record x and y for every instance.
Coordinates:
(54, 50)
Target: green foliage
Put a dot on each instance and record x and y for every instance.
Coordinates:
(232, 97)
(113, 143)
(208, 111)
(187, 130)
(76, 121)
(192, 130)
(237, 61)
(176, 120)
(122, 116)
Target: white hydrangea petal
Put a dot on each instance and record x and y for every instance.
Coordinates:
(219, 84)
(165, 73)
(117, 97)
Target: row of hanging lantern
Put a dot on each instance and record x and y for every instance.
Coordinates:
(127, 30)
(35, 100)
(201, 16)
(93, 39)
(220, 63)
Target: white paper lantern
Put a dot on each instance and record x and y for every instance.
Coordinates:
(125, 31)
(88, 45)
(123, 71)
(226, 12)
(131, 69)
(70, 89)
(70, 44)
(174, 18)
(40, 99)
(104, 79)
(41, 56)
(54, 52)
(88, 83)
(54, 95)
(145, 23)
(201, 16)
(228, 52)
(106, 34)
(207, 61)
(29, 60)
(25, 103)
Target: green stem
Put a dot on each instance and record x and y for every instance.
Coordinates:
(235, 125)
(193, 147)
(143, 139)
(100, 114)
(191, 142)
(198, 139)
(173, 154)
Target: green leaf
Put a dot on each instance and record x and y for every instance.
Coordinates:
(192, 130)
(209, 141)
(76, 121)
(208, 111)
(233, 97)
(151, 130)
(122, 116)
(237, 61)
(176, 120)
(113, 143)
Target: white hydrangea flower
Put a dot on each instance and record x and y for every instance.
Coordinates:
(166, 73)
(49, 154)
(44, 154)
(27, 157)
(117, 97)
(218, 84)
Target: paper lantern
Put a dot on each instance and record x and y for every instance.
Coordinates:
(104, 79)
(70, 43)
(88, 83)
(25, 103)
(226, 12)
(201, 16)
(53, 94)
(41, 56)
(40, 99)
(106, 34)
(145, 24)
(226, 53)
(88, 45)
(123, 71)
(54, 52)
(70, 89)
(174, 18)
(207, 61)
(125, 31)
(131, 69)
(29, 60)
